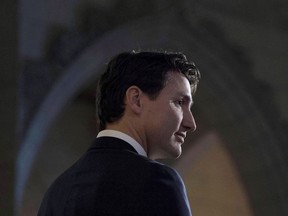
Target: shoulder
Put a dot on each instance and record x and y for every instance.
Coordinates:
(162, 177)
(165, 191)
(165, 171)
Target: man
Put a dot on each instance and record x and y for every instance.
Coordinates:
(144, 104)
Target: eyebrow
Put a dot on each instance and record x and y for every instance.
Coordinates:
(186, 97)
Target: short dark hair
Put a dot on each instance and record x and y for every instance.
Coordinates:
(146, 70)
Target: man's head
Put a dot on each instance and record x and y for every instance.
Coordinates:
(147, 70)
(152, 81)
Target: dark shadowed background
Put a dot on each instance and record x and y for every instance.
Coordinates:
(52, 52)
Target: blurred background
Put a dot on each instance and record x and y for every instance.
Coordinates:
(52, 52)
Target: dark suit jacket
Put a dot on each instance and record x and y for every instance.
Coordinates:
(112, 179)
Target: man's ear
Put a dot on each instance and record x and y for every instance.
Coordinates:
(134, 99)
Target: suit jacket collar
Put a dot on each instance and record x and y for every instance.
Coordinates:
(111, 143)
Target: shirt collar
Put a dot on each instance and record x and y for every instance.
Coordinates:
(113, 133)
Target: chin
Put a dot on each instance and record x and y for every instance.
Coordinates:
(176, 153)
(168, 155)
(172, 150)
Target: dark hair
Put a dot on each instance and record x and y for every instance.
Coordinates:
(147, 70)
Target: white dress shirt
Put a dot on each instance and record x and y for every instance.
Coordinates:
(113, 133)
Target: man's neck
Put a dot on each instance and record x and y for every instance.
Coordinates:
(129, 130)
(123, 136)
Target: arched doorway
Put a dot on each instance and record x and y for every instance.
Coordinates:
(223, 102)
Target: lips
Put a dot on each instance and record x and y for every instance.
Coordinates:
(180, 136)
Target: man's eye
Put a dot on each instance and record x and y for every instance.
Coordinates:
(179, 102)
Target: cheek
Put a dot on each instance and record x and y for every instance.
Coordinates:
(165, 120)
(173, 119)
(176, 114)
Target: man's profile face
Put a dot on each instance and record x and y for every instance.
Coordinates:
(168, 117)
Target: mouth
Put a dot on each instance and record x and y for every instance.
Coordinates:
(180, 136)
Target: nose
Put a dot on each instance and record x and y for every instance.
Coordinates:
(188, 121)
